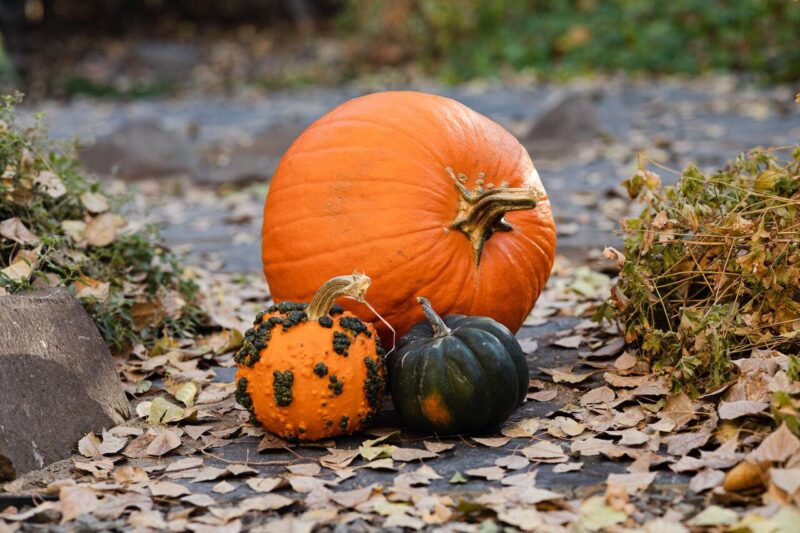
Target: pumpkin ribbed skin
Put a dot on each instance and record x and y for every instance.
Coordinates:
(366, 188)
(467, 381)
(314, 379)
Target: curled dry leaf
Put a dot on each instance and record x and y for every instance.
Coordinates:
(706, 479)
(786, 479)
(95, 202)
(76, 500)
(265, 484)
(777, 447)
(612, 254)
(492, 442)
(165, 441)
(223, 487)
(632, 483)
(491, 473)
(567, 467)
(438, 447)
(600, 395)
(543, 395)
(50, 183)
(512, 462)
(168, 489)
(744, 476)
(521, 429)
(740, 408)
(545, 451)
(89, 446)
(566, 375)
(412, 454)
(304, 469)
(102, 230)
(13, 229)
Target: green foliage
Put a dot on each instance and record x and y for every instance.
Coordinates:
(58, 229)
(712, 268)
(463, 39)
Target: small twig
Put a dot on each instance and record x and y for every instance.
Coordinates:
(246, 463)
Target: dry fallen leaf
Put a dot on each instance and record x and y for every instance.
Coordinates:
(492, 442)
(265, 484)
(706, 479)
(737, 409)
(545, 451)
(223, 487)
(76, 500)
(50, 183)
(438, 447)
(89, 446)
(411, 454)
(744, 476)
(572, 341)
(786, 479)
(102, 230)
(567, 467)
(13, 229)
(167, 489)
(521, 429)
(304, 469)
(95, 202)
(512, 462)
(777, 447)
(599, 395)
(490, 473)
(164, 441)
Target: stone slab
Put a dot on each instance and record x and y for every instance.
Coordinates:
(57, 380)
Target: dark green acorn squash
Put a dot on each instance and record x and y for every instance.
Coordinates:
(463, 374)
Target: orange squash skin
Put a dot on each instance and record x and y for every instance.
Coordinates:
(304, 385)
(366, 188)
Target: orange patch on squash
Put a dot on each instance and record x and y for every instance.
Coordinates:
(434, 409)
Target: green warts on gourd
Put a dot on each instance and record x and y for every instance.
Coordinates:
(243, 398)
(336, 385)
(373, 386)
(321, 369)
(282, 387)
(341, 342)
(480, 211)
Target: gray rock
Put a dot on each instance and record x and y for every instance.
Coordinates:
(249, 159)
(140, 148)
(562, 127)
(57, 380)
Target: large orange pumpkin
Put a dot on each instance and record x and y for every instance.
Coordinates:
(421, 193)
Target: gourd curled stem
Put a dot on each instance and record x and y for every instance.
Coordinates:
(480, 212)
(353, 286)
(440, 329)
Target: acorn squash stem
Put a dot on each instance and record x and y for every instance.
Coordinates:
(440, 329)
(480, 211)
(354, 286)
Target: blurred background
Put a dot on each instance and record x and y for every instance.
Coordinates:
(140, 48)
(188, 101)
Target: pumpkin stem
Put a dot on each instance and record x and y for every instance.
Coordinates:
(354, 286)
(480, 212)
(440, 329)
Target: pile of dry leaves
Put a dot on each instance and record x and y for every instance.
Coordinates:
(57, 229)
(600, 445)
(711, 267)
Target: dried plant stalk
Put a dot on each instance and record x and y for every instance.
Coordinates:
(712, 267)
